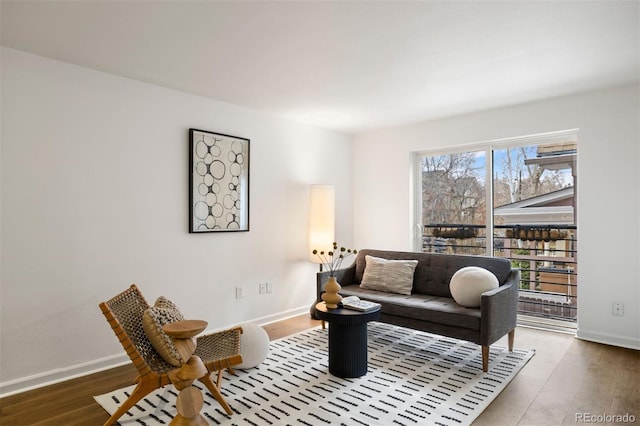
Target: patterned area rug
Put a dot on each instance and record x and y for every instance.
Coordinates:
(414, 378)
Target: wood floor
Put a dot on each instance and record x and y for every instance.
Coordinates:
(566, 378)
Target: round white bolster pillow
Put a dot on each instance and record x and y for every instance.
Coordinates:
(468, 284)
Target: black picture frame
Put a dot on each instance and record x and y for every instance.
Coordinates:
(218, 182)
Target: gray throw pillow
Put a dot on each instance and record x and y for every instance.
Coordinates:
(392, 276)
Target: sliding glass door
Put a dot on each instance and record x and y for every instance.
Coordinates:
(514, 199)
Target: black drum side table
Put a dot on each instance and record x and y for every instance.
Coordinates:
(347, 339)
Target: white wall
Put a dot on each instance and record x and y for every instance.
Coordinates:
(608, 196)
(95, 197)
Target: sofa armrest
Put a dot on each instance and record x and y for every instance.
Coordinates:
(343, 276)
(499, 309)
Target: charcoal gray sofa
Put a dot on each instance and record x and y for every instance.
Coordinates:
(430, 307)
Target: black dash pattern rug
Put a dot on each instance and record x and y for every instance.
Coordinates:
(414, 378)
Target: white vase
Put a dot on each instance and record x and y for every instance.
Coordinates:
(331, 296)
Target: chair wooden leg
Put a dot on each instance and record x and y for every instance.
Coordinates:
(512, 335)
(143, 389)
(323, 325)
(485, 358)
(219, 380)
(213, 388)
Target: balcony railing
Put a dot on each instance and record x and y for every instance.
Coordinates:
(545, 254)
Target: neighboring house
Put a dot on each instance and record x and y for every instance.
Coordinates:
(452, 200)
(555, 208)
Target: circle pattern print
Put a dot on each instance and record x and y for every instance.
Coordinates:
(219, 182)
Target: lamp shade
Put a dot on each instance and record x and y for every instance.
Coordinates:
(322, 216)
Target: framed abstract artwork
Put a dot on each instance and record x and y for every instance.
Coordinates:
(218, 182)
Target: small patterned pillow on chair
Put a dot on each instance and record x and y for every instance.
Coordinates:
(163, 312)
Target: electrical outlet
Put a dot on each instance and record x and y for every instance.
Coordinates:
(262, 288)
(239, 292)
(268, 287)
(618, 309)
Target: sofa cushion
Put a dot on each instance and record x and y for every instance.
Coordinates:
(468, 284)
(393, 276)
(441, 310)
(434, 270)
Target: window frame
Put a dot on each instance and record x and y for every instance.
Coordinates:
(488, 147)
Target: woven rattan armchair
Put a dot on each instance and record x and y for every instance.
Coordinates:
(218, 351)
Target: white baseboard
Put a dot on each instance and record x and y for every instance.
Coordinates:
(282, 316)
(608, 339)
(51, 377)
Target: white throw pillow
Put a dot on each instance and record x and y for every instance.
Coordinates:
(468, 284)
(392, 276)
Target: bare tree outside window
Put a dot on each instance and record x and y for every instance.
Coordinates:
(453, 188)
(515, 179)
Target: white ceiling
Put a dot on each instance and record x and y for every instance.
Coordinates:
(349, 66)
